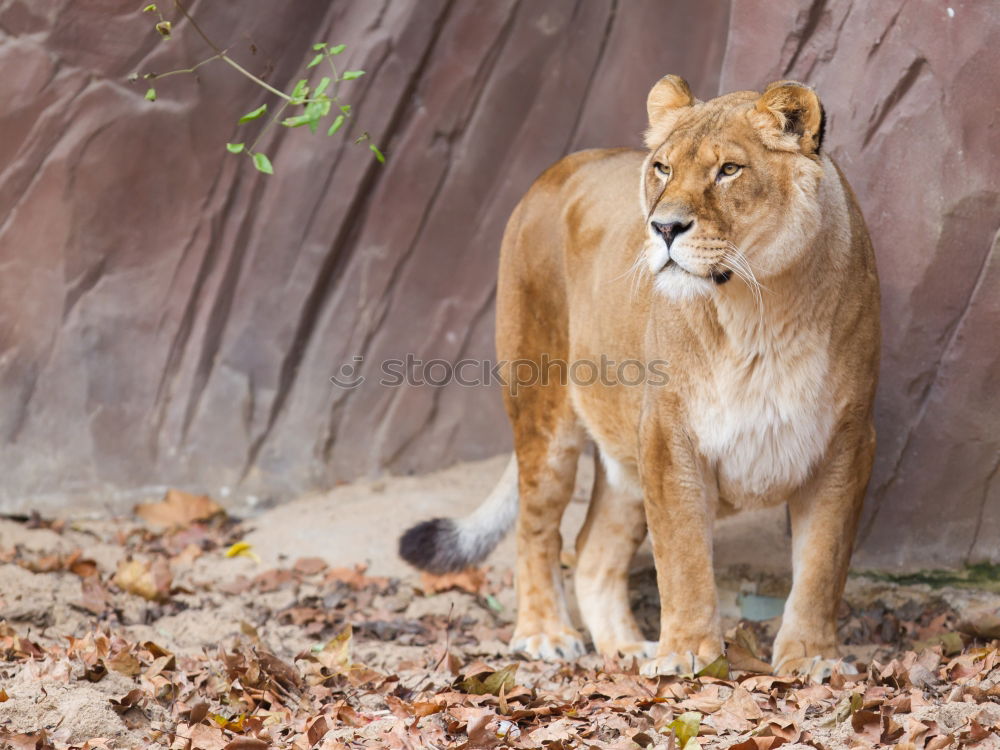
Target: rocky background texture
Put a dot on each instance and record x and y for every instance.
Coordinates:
(169, 316)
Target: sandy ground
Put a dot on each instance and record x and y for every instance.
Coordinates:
(297, 584)
(363, 522)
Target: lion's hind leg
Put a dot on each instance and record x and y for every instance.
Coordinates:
(613, 531)
(547, 444)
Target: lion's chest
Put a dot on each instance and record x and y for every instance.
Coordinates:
(764, 422)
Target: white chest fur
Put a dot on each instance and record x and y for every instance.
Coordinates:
(764, 420)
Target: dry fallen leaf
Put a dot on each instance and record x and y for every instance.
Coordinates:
(758, 743)
(242, 549)
(178, 509)
(470, 580)
(247, 743)
(983, 624)
(207, 737)
(130, 700)
(310, 566)
(336, 654)
(124, 662)
(149, 580)
(317, 730)
(96, 598)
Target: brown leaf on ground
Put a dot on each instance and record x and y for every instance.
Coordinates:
(124, 662)
(983, 624)
(178, 509)
(96, 598)
(355, 577)
(740, 659)
(477, 730)
(44, 564)
(310, 566)
(758, 743)
(131, 699)
(247, 743)
(207, 737)
(83, 567)
(470, 580)
(149, 580)
(272, 580)
(32, 741)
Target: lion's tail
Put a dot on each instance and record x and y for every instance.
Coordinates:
(445, 545)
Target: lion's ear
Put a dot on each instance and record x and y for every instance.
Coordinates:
(666, 99)
(790, 117)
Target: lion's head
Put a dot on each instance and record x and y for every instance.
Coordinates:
(730, 185)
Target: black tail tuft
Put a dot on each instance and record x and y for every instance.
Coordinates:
(434, 546)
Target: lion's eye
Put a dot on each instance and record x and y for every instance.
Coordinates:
(661, 169)
(729, 169)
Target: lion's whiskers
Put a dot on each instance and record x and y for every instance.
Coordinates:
(637, 270)
(741, 267)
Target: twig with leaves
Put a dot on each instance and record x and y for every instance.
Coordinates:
(317, 102)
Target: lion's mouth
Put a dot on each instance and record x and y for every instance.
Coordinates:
(720, 276)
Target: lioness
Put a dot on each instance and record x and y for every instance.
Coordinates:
(756, 282)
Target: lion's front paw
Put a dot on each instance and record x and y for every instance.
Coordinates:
(682, 663)
(815, 668)
(563, 646)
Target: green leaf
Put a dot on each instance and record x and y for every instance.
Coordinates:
(234, 148)
(718, 669)
(321, 87)
(345, 108)
(297, 121)
(262, 163)
(336, 125)
(300, 92)
(378, 154)
(316, 111)
(151, 8)
(686, 727)
(259, 112)
(489, 683)
(319, 106)
(319, 45)
(164, 28)
(151, 95)
(316, 60)
(350, 75)
(337, 49)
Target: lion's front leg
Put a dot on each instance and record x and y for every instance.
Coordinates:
(680, 510)
(824, 521)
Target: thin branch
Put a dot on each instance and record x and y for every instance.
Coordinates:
(221, 54)
(192, 69)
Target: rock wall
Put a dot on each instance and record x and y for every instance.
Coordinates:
(169, 316)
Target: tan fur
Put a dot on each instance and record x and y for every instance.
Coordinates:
(769, 398)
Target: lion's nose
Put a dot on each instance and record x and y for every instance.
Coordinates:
(671, 230)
